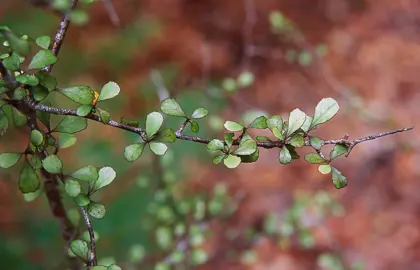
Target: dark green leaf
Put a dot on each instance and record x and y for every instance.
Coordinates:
(80, 249)
(105, 116)
(229, 139)
(338, 179)
(12, 62)
(259, 122)
(36, 162)
(215, 145)
(7, 160)
(232, 161)
(87, 173)
(66, 140)
(19, 118)
(324, 111)
(218, 159)
(71, 124)
(82, 200)
(251, 158)
(52, 164)
(246, 148)
(166, 135)
(154, 121)
(72, 187)
(96, 210)
(19, 93)
(285, 156)
(36, 137)
(158, 148)
(28, 79)
(84, 110)
(18, 44)
(133, 152)
(109, 90)
(170, 107)
(39, 92)
(81, 94)
(339, 150)
(314, 158)
(292, 151)
(42, 59)
(106, 176)
(316, 142)
(199, 113)
(28, 180)
(46, 80)
(43, 42)
(296, 120)
(194, 126)
(297, 140)
(233, 126)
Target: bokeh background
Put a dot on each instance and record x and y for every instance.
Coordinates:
(363, 53)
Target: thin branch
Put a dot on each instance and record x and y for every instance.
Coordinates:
(181, 128)
(92, 259)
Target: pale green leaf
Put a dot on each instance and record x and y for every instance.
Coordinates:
(215, 145)
(338, 179)
(72, 187)
(154, 121)
(314, 158)
(80, 249)
(81, 94)
(133, 152)
(247, 147)
(96, 210)
(158, 148)
(338, 150)
(43, 42)
(170, 107)
(109, 90)
(71, 124)
(296, 120)
(87, 173)
(233, 126)
(259, 122)
(324, 111)
(324, 169)
(7, 160)
(232, 161)
(106, 176)
(199, 113)
(285, 156)
(52, 164)
(36, 137)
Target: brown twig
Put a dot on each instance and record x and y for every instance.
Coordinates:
(92, 258)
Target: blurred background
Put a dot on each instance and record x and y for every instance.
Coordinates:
(238, 59)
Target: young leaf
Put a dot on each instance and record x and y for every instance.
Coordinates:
(314, 158)
(96, 210)
(105, 116)
(232, 161)
(316, 142)
(82, 200)
(218, 159)
(72, 187)
(259, 122)
(246, 148)
(42, 59)
(339, 149)
(199, 113)
(71, 124)
(66, 140)
(338, 179)
(28, 79)
(133, 152)
(296, 120)
(233, 126)
(28, 179)
(36, 137)
(7, 160)
(43, 42)
(158, 148)
(52, 164)
(18, 44)
(324, 111)
(106, 176)
(194, 126)
(87, 173)
(80, 249)
(81, 94)
(285, 156)
(324, 169)
(84, 110)
(170, 107)
(109, 90)
(297, 140)
(215, 145)
(154, 121)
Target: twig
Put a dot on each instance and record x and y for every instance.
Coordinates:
(181, 128)
(92, 258)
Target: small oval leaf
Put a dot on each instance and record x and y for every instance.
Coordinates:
(154, 121)
(324, 111)
(233, 126)
(133, 152)
(109, 90)
(199, 113)
(52, 164)
(7, 160)
(232, 161)
(170, 107)
(158, 148)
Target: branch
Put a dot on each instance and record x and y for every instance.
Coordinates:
(92, 259)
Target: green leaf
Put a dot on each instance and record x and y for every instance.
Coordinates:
(292, 151)
(229, 139)
(259, 122)
(170, 107)
(296, 120)
(133, 152)
(28, 180)
(66, 140)
(114, 267)
(72, 188)
(194, 126)
(215, 145)
(154, 121)
(106, 176)
(80, 249)
(324, 111)
(81, 94)
(84, 110)
(263, 138)
(316, 142)
(285, 157)
(19, 118)
(82, 200)
(109, 90)
(7, 160)
(43, 42)
(199, 113)
(87, 173)
(297, 140)
(36, 137)
(166, 135)
(28, 79)
(338, 179)
(245, 79)
(218, 159)
(233, 126)
(12, 62)
(324, 169)
(42, 59)
(36, 162)
(251, 158)
(277, 133)
(232, 161)
(46, 80)
(314, 158)
(339, 150)
(18, 44)
(39, 92)
(52, 164)
(275, 121)
(158, 148)
(105, 116)
(96, 210)
(31, 196)
(246, 148)
(71, 124)
(307, 124)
